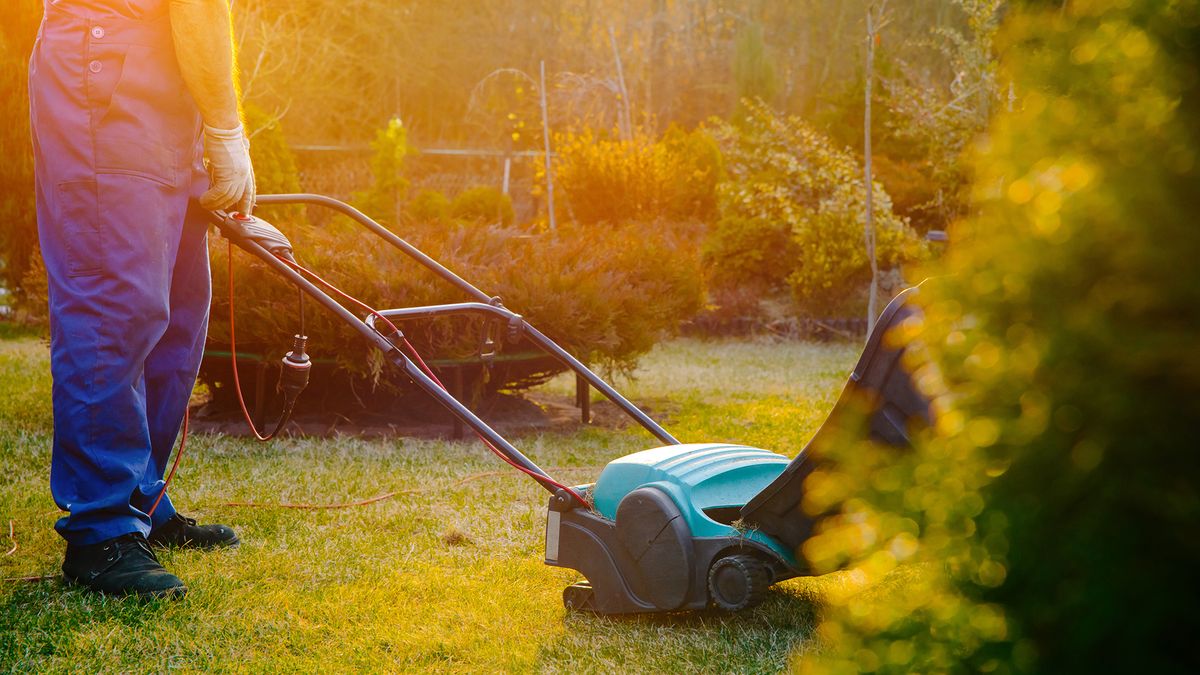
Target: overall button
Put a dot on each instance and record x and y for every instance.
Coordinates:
(98, 32)
(95, 66)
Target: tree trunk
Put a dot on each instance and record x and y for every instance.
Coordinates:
(549, 164)
(869, 220)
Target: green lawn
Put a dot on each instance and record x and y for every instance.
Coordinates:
(447, 576)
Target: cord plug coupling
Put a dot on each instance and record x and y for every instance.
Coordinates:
(293, 375)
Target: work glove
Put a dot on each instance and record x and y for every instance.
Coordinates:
(227, 154)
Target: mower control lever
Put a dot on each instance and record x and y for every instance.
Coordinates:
(257, 230)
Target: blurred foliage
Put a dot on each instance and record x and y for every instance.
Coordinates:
(332, 64)
(791, 216)
(274, 164)
(429, 205)
(33, 295)
(754, 70)
(328, 71)
(18, 220)
(482, 203)
(1053, 513)
(501, 108)
(901, 165)
(385, 197)
(938, 119)
(609, 180)
(922, 118)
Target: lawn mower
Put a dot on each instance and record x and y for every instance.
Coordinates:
(676, 527)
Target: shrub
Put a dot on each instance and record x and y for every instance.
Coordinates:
(429, 205)
(928, 202)
(387, 193)
(791, 216)
(274, 163)
(606, 299)
(903, 162)
(483, 204)
(608, 180)
(750, 253)
(1057, 505)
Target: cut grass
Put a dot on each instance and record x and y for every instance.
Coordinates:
(445, 576)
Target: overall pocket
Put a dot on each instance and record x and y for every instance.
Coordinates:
(77, 228)
(103, 66)
(150, 119)
(145, 158)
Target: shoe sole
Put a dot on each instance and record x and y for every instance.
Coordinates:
(174, 593)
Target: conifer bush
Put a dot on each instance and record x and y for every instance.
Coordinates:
(606, 299)
(485, 204)
(1053, 512)
(429, 205)
(611, 180)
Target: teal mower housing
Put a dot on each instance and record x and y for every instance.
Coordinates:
(676, 527)
(697, 525)
(666, 532)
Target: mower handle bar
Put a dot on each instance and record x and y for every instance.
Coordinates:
(486, 305)
(390, 351)
(384, 233)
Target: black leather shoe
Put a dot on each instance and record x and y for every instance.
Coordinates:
(183, 532)
(121, 566)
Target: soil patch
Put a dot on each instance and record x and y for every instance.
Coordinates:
(508, 414)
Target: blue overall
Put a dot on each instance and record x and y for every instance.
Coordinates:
(117, 143)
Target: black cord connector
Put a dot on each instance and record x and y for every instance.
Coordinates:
(293, 374)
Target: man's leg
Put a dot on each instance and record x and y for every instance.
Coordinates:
(108, 304)
(173, 363)
(171, 372)
(116, 144)
(104, 242)
(109, 308)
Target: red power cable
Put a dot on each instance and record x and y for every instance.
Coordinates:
(237, 385)
(426, 369)
(174, 465)
(260, 437)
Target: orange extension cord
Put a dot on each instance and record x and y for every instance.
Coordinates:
(260, 437)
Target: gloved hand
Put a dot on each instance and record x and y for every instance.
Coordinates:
(227, 153)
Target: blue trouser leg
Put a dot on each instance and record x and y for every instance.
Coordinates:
(116, 142)
(172, 365)
(105, 328)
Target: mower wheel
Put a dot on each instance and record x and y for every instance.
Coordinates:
(736, 582)
(580, 596)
